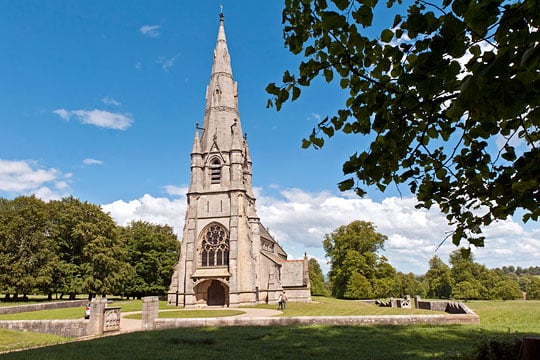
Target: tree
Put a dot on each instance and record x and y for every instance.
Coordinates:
(354, 259)
(406, 284)
(92, 256)
(316, 278)
(533, 288)
(438, 279)
(508, 289)
(448, 94)
(152, 252)
(27, 254)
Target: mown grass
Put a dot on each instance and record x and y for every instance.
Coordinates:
(322, 306)
(508, 319)
(190, 314)
(13, 340)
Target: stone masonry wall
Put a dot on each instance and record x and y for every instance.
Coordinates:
(41, 306)
(67, 328)
(439, 319)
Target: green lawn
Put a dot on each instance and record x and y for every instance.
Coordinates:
(190, 314)
(322, 306)
(499, 319)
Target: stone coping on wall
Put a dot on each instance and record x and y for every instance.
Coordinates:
(436, 319)
(41, 306)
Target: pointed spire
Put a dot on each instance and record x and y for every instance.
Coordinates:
(221, 97)
(222, 62)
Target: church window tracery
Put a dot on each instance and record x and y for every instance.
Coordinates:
(215, 246)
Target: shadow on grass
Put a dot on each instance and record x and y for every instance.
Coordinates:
(291, 342)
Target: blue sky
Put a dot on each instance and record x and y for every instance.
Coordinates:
(99, 100)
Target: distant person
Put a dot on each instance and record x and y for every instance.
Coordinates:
(280, 302)
(283, 297)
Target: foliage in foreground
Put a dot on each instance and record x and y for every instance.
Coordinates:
(447, 93)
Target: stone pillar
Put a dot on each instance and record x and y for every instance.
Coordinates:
(417, 302)
(97, 313)
(150, 312)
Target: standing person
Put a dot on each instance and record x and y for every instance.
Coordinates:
(283, 300)
(280, 302)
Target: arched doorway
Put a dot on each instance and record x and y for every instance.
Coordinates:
(216, 294)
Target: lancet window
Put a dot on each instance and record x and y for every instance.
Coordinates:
(215, 246)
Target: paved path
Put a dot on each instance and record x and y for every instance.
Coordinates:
(132, 325)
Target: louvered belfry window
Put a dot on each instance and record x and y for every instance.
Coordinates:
(215, 171)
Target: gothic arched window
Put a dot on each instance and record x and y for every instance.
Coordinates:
(215, 246)
(215, 171)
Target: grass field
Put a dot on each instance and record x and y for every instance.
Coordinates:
(508, 319)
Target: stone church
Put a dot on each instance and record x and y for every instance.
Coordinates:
(228, 258)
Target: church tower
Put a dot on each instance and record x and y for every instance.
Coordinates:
(227, 257)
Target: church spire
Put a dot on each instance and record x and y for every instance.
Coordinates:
(221, 98)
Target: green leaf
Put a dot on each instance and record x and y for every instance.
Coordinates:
(328, 74)
(387, 35)
(346, 184)
(296, 92)
(341, 4)
(397, 20)
(363, 16)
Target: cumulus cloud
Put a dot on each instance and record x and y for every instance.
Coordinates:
(100, 118)
(24, 177)
(299, 220)
(151, 31)
(92, 162)
(157, 210)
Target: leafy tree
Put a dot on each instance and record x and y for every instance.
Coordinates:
(27, 254)
(406, 284)
(466, 270)
(358, 287)
(316, 278)
(152, 252)
(353, 252)
(533, 288)
(438, 279)
(508, 289)
(448, 95)
(467, 290)
(92, 257)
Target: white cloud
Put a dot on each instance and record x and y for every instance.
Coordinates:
(138, 66)
(110, 101)
(176, 190)
(299, 220)
(100, 118)
(63, 113)
(167, 63)
(24, 177)
(92, 162)
(151, 31)
(157, 210)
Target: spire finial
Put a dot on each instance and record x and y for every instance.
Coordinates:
(221, 16)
